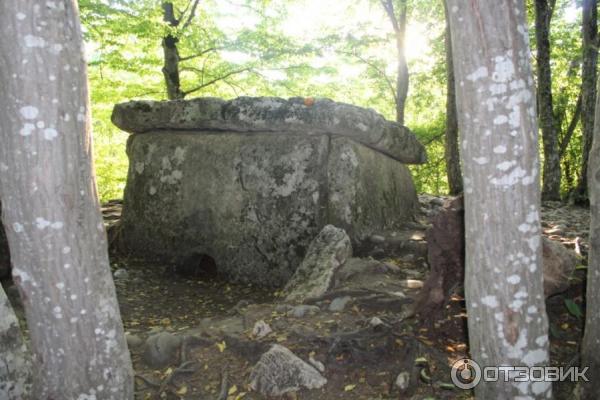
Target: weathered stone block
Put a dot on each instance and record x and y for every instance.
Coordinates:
(251, 200)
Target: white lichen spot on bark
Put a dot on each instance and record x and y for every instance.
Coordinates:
(504, 68)
(34, 41)
(541, 340)
(479, 73)
(500, 120)
(490, 301)
(41, 223)
(56, 48)
(534, 243)
(535, 357)
(500, 149)
(22, 275)
(532, 310)
(57, 225)
(506, 165)
(516, 305)
(29, 112)
(27, 129)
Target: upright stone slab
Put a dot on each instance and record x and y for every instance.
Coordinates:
(252, 181)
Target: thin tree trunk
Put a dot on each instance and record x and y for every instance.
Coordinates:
(452, 154)
(588, 91)
(50, 206)
(170, 68)
(496, 106)
(590, 347)
(402, 77)
(551, 173)
(15, 361)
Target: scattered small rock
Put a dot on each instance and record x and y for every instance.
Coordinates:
(377, 239)
(282, 308)
(280, 371)
(161, 349)
(339, 303)
(261, 329)
(412, 284)
(403, 380)
(302, 310)
(121, 273)
(375, 322)
(133, 341)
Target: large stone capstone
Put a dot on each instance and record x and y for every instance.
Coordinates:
(250, 182)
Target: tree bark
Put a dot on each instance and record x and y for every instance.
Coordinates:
(496, 106)
(451, 152)
(171, 59)
(50, 206)
(590, 347)
(588, 91)
(15, 373)
(551, 173)
(402, 77)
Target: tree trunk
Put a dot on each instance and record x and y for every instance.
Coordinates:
(15, 373)
(402, 77)
(452, 154)
(170, 68)
(50, 206)
(551, 174)
(496, 106)
(590, 347)
(588, 91)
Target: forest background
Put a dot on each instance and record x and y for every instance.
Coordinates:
(344, 50)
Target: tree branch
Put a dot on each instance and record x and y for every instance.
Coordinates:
(379, 71)
(213, 81)
(191, 16)
(203, 52)
(169, 14)
(571, 129)
(389, 9)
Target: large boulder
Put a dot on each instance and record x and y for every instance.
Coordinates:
(559, 264)
(446, 257)
(247, 184)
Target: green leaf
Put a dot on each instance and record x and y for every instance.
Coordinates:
(573, 308)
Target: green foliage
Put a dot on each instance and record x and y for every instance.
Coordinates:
(431, 177)
(262, 48)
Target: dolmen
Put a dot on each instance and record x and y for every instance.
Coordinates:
(248, 183)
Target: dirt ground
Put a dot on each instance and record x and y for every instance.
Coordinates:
(362, 357)
(361, 362)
